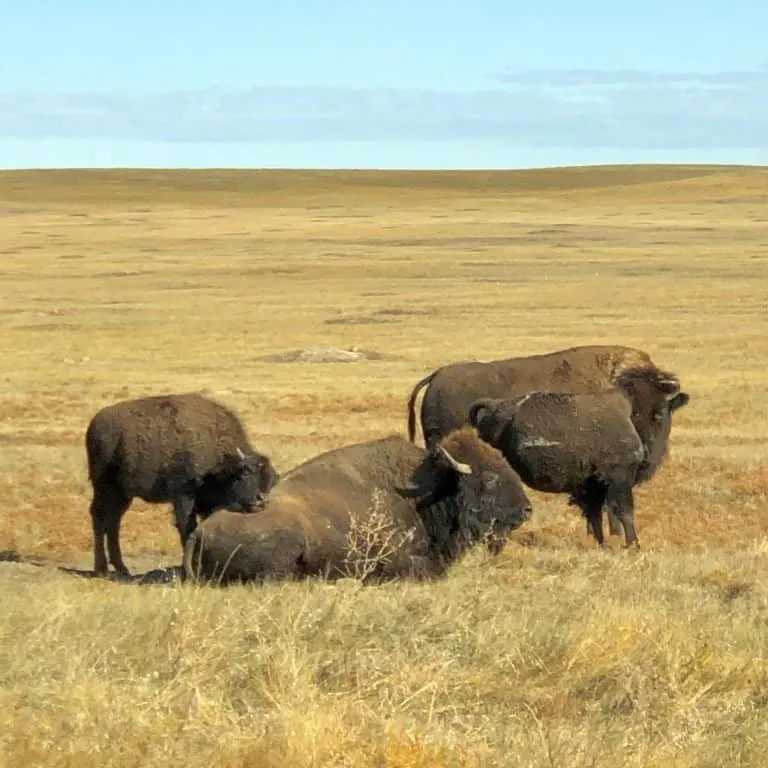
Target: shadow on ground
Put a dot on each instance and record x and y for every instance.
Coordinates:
(170, 575)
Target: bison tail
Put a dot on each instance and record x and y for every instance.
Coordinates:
(412, 404)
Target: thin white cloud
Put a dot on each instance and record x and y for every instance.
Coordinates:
(634, 77)
(575, 108)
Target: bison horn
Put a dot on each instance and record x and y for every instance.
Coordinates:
(240, 454)
(462, 469)
(669, 384)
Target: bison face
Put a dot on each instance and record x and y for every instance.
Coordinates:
(655, 396)
(252, 480)
(483, 495)
(491, 504)
(240, 485)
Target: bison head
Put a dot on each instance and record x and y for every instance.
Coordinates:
(654, 395)
(468, 493)
(490, 416)
(240, 484)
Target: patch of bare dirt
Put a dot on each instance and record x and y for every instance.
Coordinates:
(326, 355)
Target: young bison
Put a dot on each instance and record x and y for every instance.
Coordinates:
(184, 449)
(404, 511)
(596, 446)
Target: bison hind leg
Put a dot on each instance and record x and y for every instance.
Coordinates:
(273, 555)
(107, 509)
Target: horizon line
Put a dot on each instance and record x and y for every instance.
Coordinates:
(378, 169)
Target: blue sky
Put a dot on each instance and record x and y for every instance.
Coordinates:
(425, 83)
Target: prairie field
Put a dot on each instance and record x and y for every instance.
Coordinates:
(250, 286)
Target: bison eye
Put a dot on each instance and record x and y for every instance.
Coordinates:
(658, 417)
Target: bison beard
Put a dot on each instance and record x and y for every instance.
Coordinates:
(426, 509)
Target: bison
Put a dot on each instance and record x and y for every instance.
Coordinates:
(451, 390)
(182, 448)
(375, 510)
(594, 446)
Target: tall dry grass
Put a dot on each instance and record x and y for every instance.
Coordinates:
(118, 284)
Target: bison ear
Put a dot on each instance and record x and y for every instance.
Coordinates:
(479, 411)
(678, 401)
(443, 459)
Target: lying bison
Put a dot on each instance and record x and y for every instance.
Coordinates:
(595, 446)
(375, 510)
(184, 449)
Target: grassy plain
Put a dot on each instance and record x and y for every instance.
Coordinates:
(117, 284)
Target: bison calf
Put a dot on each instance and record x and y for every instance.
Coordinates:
(376, 510)
(596, 446)
(184, 449)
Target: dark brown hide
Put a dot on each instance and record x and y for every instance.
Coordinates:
(451, 390)
(415, 512)
(594, 446)
(184, 449)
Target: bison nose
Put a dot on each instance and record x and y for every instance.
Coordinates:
(527, 512)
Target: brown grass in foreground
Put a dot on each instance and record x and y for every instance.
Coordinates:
(118, 284)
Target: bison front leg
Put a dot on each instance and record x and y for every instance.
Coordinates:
(185, 517)
(621, 502)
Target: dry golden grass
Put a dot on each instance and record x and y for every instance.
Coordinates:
(117, 284)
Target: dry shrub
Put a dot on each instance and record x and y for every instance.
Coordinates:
(373, 540)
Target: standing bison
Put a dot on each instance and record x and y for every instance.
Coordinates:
(595, 446)
(184, 449)
(451, 390)
(376, 510)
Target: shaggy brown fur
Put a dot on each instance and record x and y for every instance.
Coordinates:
(416, 512)
(451, 390)
(184, 449)
(595, 446)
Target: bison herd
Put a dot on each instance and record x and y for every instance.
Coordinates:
(589, 421)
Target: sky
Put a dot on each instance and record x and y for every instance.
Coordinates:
(382, 83)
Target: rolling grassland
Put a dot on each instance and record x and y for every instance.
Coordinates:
(241, 284)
